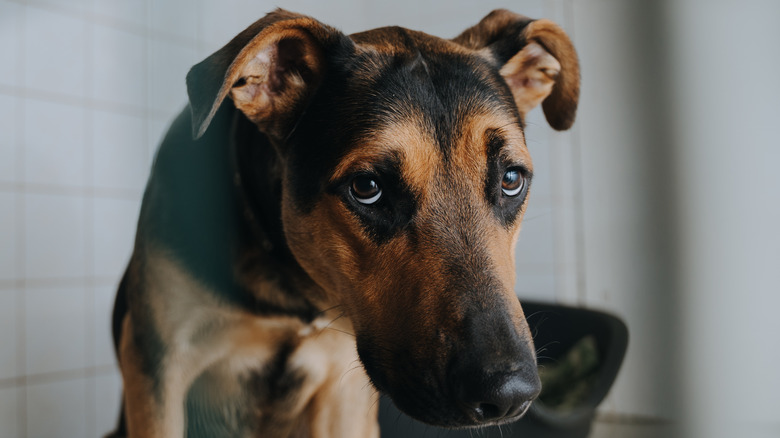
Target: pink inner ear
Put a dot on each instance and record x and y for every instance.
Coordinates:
(537, 58)
(271, 70)
(270, 81)
(531, 75)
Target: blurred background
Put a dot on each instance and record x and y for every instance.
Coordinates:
(661, 205)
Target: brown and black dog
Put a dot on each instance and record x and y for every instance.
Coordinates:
(330, 201)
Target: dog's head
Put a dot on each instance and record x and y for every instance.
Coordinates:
(405, 179)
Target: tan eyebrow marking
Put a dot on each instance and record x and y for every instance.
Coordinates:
(408, 138)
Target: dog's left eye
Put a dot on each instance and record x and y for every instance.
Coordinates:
(365, 189)
(512, 183)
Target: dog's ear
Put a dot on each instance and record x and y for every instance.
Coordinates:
(537, 60)
(268, 70)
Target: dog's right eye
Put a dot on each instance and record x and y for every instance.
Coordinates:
(365, 189)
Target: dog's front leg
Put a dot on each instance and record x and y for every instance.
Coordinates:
(154, 404)
(344, 403)
(345, 407)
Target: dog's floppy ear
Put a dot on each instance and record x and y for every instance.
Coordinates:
(268, 70)
(537, 60)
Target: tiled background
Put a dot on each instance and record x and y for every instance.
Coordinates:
(87, 87)
(89, 90)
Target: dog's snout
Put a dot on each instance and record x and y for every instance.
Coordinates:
(498, 396)
(494, 379)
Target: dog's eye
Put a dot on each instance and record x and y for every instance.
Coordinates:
(365, 189)
(512, 183)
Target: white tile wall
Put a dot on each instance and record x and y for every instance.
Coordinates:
(218, 23)
(114, 223)
(170, 61)
(90, 89)
(535, 245)
(175, 18)
(7, 138)
(8, 236)
(56, 329)
(73, 6)
(535, 282)
(118, 66)
(55, 236)
(100, 325)
(57, 409)
(120, 151)
(10, 34)
(55, 143)
(537, 137)
(132, 12)
(8, 335)
(9, 412)
(55, 51)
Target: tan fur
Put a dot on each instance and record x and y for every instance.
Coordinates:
(407, 138)
(143, 412)
(561, 103)
(559, 107)
(531, 75)
(256, 99)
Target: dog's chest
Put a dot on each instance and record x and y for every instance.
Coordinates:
(253, 372)
(272, 392)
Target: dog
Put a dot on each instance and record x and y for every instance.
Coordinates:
(335, 216)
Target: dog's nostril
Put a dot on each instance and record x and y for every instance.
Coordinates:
(489, 411)
(498, 396)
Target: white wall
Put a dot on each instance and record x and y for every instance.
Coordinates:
(88, 86)
(726, 96)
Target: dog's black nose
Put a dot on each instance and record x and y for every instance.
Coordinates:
(496, 396)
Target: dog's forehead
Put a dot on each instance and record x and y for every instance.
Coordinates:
(404, 91)
(425, 98)
(404, 69)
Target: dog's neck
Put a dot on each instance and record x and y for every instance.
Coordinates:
(257, 178)
(267, 267)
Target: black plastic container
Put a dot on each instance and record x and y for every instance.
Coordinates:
(579, 353)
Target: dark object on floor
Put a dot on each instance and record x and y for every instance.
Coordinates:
(579, 352)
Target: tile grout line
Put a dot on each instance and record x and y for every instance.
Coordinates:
(53, 282)
(149, 70)
(579, 206)
(90, 404)
(86, 102)
(59, 376)
(21, 250)
(119, 194)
